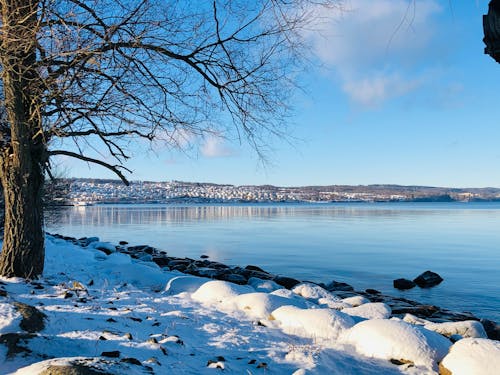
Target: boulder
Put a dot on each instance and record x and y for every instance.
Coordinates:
(33, 320)
(492, 329)
(234, 278)
(254, 268)
(403, 284)
(428, 279)
(287, 282)
(337, 285)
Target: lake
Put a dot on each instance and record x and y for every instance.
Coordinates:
(367, 245)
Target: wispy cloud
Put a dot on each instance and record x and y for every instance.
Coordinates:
(215, 147)
(377, 47)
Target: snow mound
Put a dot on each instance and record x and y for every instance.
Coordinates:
(312, 323)
(319, 295)
(103, 246)
(395, 339)
(356, 300)
(219, 291)
(376, 310)
(472, 356)
(180, 284)
(467, 328)
(261, 305)
(263, 285)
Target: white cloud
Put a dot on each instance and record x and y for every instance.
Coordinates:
(214, 147)
(377, 47)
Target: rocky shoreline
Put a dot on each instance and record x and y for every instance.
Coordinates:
(241, 275)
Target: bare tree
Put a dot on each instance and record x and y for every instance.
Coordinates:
(79, 73)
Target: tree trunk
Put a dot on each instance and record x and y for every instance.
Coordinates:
(22, 157)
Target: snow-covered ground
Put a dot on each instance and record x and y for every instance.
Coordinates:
(123, 316)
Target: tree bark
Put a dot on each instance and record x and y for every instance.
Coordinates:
(22, 157)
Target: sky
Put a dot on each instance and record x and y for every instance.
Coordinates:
(400, 92)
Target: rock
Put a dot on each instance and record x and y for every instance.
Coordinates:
(133, 361)
(112, 354)
(179, 262)
(123, 243)
(73, 369)
(85, 241)
(33, 319)
(372, 291)
(161, 261)
(428, 279)
(336, 285)
(254, 268)
(403, 284)
(204, 256)
(234, 278)
(287, 282)
(492, 329)
(419, 310)
(3, 293)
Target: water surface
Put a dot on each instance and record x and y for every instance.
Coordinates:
(365, 245)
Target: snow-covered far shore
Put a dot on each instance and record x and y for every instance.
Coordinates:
(114, 315)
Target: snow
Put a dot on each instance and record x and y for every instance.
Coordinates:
(396, 339)
(168, 322)
(473, 356)
(376, 310)
(312, 323)
(218, 291)
(467, 328)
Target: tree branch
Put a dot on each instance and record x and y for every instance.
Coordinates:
(113, 168)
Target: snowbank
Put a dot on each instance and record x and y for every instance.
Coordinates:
(312, 323)
(376, 310)
(472, 356)
(398, 340)
(218, 291)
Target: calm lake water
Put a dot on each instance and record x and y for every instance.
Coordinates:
(365, 245)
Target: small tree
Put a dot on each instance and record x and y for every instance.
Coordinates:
(101, 71)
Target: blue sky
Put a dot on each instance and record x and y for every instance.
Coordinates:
(401, 93)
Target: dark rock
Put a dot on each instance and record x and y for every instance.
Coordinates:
(112, 354)
(111, 320)
(234, 278)
(204, 257)
(133, 361)
(403, 284)
(428, 279)
(161, 261)
(252, 361)
(254, 268)
(287, 282)
(262, 365)
(72, 369)
(420, 310)
(85, 241)
(372, 291)
(218, 265)
(492, 329)
(3, 293)
(210, 272)
(123, 243)
(33, 320)
(337, 285)
(179, 262)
